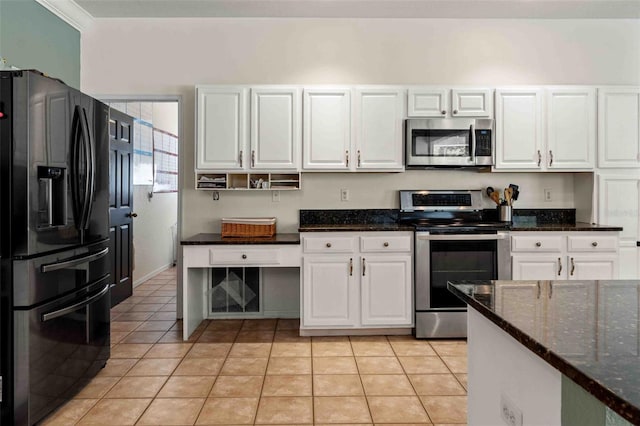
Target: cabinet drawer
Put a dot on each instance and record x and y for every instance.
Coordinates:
(329, 244)
(379, 244)
(595, 243)
(244, 257)
(541, 243)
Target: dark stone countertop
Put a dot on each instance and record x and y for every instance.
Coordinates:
(216, 239)
(606, 320)
(578, 226)
(356, 227)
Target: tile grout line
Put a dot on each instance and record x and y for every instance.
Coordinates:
(364, 392)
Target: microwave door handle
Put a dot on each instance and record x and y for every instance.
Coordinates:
(473, 143)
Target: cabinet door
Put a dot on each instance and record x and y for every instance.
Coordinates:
(221, 128)
(619, 127)
(471, 103)
(327, 129)
(618, 316)
(386, 290)
(572, 328)
(275, 128)
(329, 294)
(519, 138)
(538, 267)
(513, 302)
(428, 102)
(593, 267)
(571, 128)
(379, 119)
(619, 198)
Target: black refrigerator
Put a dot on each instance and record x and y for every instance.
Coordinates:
(54, 243)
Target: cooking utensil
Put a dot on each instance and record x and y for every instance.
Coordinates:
(495, 196)
(508, 194)
(489, 190)
(516, 191)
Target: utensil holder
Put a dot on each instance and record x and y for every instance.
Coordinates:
(505, 213)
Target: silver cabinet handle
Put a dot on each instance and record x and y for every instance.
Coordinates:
(559, 266)
(550, 158)
(244, 256)
(443, 112)
(328, 245)
(240, 155)
(364, 267)
(539, 291)
(60, 312)
(595, 244)
(74, 261)
(550, 289)
(347, 157)
(573, 267)
(538, 244)
(455, 111)
(253, 158)
(386, 244)
(359, 162)
(539, 158)
(351, 266)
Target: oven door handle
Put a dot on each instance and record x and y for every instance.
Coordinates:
(462, 237)
(60, 312)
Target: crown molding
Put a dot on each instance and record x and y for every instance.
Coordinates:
(70, 12)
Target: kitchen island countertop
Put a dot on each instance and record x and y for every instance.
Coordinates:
(604, 324)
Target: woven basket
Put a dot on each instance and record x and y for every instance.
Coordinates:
(248, 227)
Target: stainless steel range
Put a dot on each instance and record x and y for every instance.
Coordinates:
(455, 240)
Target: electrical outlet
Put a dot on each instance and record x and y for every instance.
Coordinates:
(509, 412)
(344, 194)
(275, 196)
(547, 195)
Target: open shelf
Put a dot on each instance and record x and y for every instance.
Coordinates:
(248, 181)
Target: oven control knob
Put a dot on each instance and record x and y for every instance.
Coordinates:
(386, 244)
(328, 244)
(538, 244)
(595, 244)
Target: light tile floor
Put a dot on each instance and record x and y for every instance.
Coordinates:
(235, 372)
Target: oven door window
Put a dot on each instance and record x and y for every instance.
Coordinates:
(441, 143)
(460, 260)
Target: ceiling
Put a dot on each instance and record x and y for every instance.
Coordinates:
(543, 9)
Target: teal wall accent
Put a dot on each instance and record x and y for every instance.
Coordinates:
(580, 408)
(31, 37)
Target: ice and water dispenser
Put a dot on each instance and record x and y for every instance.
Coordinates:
(52, 196)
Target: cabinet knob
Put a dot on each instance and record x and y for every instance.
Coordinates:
(595, 244)
(538, 244)
(244, 256)
(443, 112)
(386, 244)
(328, 245)
(455, 111)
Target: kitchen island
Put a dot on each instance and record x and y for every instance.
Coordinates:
(552, 352)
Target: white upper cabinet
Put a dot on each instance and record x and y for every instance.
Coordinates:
(275, 128)
(441, 102)
(519, 136)
(571, 128)
(618, 127)
(379, 115)
(221, 130)
(327, 129)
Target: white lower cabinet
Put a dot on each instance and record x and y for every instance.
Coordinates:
(564, 255)
(349, 282)
(329, 295)
(513, 302)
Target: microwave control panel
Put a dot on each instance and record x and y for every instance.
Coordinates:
(483, 142)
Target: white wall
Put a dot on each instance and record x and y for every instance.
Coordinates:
(152, 237)
(170, 56)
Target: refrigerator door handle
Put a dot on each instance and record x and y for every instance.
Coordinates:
(90, 161)
(68, 309)
(76, 135)
(74, 261)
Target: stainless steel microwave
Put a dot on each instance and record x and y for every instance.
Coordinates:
(453, 142)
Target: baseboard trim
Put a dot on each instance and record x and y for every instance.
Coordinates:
(151, 274)
(356, 332)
